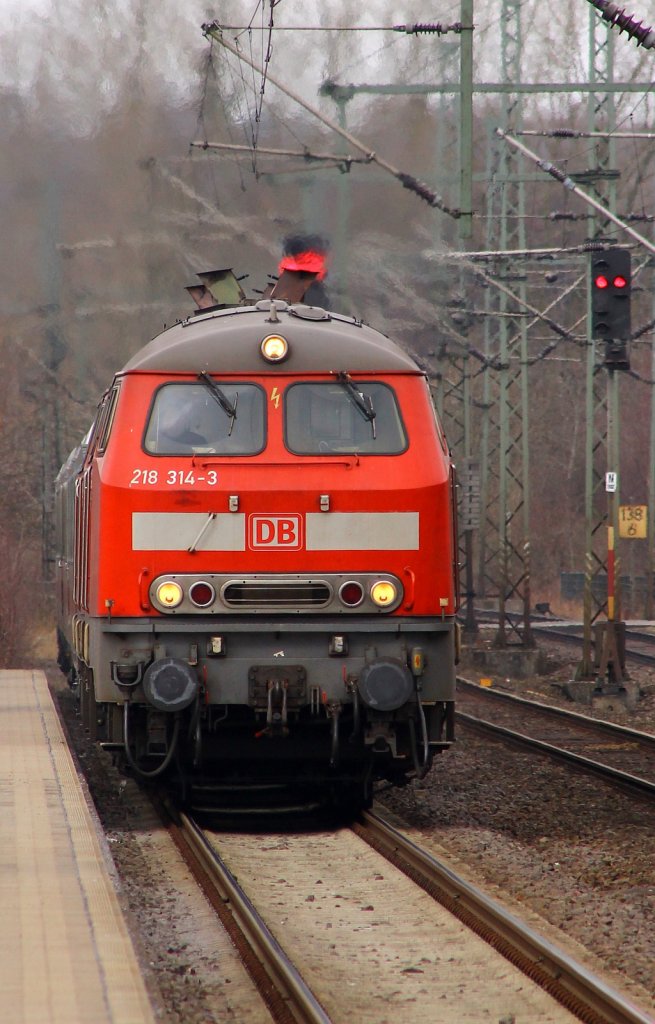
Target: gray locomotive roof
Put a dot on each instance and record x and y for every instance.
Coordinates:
(228, 341)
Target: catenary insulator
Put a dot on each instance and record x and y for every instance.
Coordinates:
(645, 35)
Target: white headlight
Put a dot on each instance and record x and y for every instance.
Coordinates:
(169, 594)
(275, 348)
(383, 593)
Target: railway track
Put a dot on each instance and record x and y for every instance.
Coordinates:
(290, 998)
(570, 984)
(628, 756)
(287, 996)
(640, 644)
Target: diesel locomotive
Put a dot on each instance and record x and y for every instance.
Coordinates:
(257, 578)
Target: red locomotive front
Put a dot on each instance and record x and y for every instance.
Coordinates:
(264, 559)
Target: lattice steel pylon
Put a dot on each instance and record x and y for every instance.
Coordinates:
(452, 387)
(650, 564)
(454, 398)
(504, 567)
(602, 388)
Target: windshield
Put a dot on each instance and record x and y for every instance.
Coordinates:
(343, 416)
(190, 419)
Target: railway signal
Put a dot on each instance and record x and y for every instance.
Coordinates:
(610, 304)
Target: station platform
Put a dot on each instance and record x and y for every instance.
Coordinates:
(65, 951)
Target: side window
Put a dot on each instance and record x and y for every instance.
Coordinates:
(437, 420)
(98, 436)
(106, 420)
(358, 416)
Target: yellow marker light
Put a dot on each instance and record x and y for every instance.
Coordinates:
(169, 594)
(383, 593)
(275, 348)
(418, 661)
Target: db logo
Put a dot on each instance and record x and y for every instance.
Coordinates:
(275, 532)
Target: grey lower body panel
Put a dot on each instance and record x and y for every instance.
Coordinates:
(224, 651)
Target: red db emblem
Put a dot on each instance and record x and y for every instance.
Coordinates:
(275, 532)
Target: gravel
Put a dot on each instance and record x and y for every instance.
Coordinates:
(573, 850)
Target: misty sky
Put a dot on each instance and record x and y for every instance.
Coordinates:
(67, 39)
(78, 56)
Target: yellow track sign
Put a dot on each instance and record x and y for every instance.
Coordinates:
(633, 521)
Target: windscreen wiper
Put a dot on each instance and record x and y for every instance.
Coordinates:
(363, 403)
(219, 396)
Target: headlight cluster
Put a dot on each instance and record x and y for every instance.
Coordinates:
(330, 593)
(383, 593)
(169, 594)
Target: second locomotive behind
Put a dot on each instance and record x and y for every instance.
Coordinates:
(257, 564)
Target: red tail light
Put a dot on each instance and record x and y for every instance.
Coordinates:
(351, 593)
(202, 594)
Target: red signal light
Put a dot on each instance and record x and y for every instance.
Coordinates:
(610, 277)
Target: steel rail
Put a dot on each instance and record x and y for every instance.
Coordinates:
(598, 724)
(566, 633)
(292, 1000)
(633, 783)
(576, 638)
(640, 634)
(570, 983)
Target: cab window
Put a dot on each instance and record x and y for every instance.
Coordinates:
(343, 416)
(207, 418)
(104, 421)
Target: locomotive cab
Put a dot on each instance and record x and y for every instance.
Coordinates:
(261, 560)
